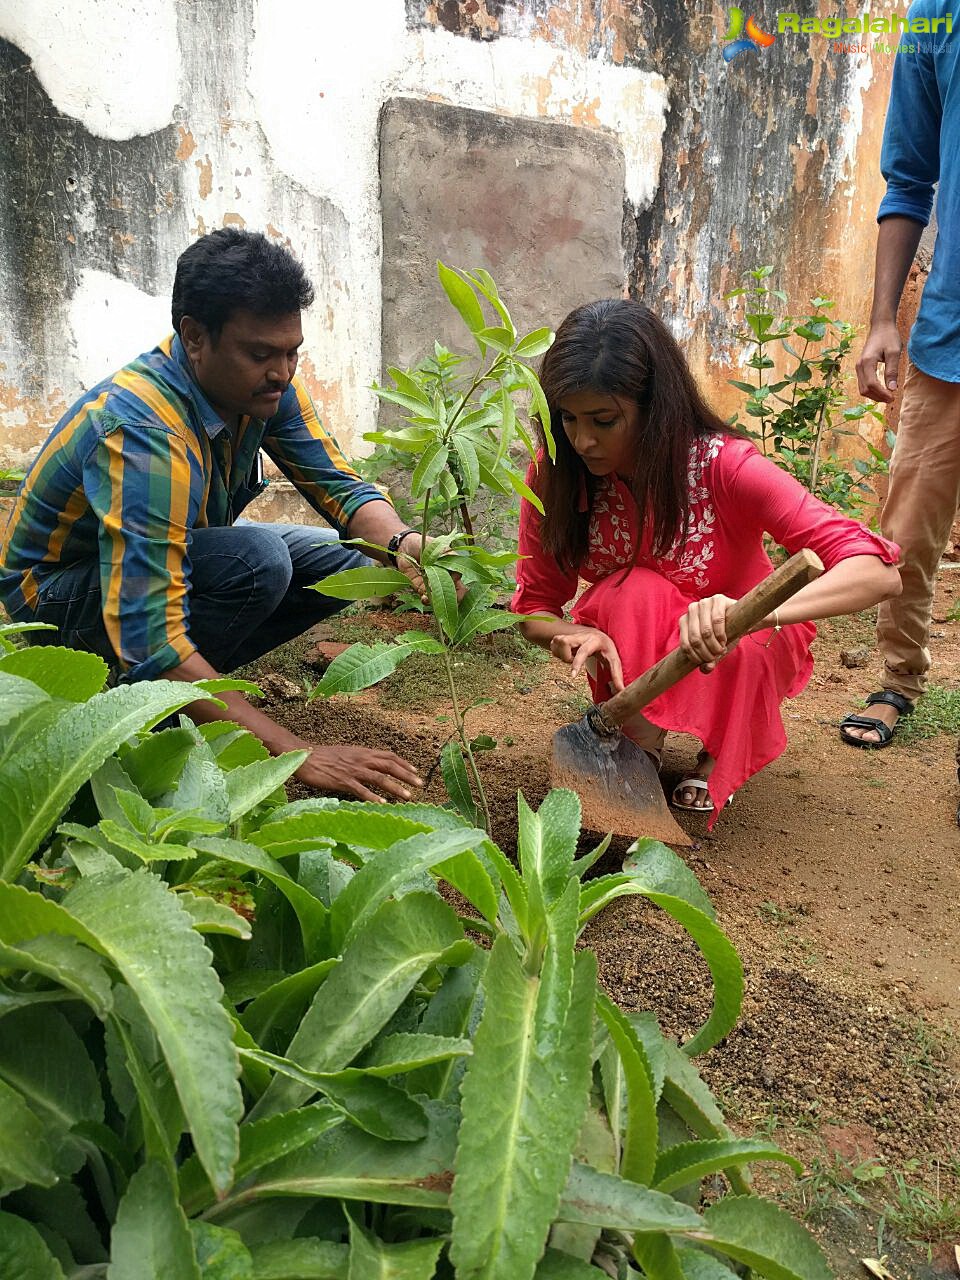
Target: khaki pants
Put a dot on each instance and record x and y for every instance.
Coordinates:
(918, 514)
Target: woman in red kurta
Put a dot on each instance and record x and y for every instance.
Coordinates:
(633, 435)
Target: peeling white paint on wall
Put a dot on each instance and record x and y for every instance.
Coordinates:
(112, 322)
(841, 157)
(534, 78)
(320, 118)
(114, 67)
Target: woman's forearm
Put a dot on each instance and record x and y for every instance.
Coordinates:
(852, 585)
(542, 629)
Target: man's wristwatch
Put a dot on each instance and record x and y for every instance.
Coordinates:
(393, 546)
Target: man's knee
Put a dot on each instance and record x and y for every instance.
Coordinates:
(249, 559)
(267, 553)
(317, 553)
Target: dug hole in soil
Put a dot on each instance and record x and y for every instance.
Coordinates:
(835, 874)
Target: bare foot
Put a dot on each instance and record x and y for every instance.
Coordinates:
(696, 797)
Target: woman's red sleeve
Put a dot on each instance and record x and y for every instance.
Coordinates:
(542, 586)
(765, 495)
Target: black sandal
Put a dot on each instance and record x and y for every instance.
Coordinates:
(892, 699)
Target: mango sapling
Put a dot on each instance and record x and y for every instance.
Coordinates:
(461, 418)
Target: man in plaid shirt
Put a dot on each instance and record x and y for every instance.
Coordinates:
(124, 536)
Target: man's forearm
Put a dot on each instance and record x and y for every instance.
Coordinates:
(275, 738)
(376, 523)
(897, 243)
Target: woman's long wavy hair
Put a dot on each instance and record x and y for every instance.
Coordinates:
(620, 348)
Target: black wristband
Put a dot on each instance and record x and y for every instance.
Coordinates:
(393, 546)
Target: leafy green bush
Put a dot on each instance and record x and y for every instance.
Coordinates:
(249, 1040)
(802, 413)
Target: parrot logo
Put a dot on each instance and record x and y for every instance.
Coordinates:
(737, 42)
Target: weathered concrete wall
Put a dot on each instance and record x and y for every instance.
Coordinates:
(773, 159)
(539, 205)
(127, 128)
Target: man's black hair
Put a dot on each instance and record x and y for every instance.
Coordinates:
(233, 270)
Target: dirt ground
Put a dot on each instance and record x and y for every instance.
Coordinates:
(836, 873)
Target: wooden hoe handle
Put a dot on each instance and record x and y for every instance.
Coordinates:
(750, 609)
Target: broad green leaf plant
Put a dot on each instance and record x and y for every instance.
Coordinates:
(798, 414)
(246, 1039)
(460, 419)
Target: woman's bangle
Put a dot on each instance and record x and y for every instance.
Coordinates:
(776, 627)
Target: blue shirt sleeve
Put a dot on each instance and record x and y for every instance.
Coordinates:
(309, 456)
(910, 156)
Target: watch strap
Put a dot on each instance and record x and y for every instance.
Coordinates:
(393, 545)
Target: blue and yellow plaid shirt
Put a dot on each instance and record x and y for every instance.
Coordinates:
(130, 471)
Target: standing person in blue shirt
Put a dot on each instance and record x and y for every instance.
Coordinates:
(123, 533)
(921, 152)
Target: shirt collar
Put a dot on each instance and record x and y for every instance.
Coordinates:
(212, 423)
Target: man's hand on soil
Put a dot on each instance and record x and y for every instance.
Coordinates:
(353, 771)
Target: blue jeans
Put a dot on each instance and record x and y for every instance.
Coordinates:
(248, 593)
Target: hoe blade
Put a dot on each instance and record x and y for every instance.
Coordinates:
(617, 783)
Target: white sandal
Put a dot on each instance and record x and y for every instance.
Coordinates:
(691, 784)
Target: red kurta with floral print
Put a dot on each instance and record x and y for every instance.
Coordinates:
(637, 598)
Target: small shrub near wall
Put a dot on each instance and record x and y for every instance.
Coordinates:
(795, 399)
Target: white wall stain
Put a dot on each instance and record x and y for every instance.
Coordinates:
(842, 157)
(111, 323)
(113, 66)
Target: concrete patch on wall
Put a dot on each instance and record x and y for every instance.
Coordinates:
(537, 79)
(538, 205)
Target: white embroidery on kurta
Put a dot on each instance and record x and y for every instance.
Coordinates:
(604, 557)
(687, 563)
